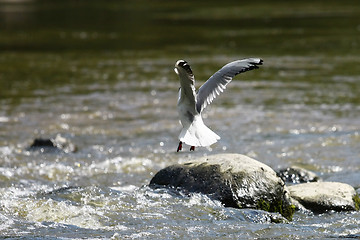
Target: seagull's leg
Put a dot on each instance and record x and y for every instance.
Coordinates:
(192, 148)
(179, 147)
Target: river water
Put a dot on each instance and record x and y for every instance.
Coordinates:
(100, 74)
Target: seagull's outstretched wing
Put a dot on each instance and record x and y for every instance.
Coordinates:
(217, 82)
(187, 81)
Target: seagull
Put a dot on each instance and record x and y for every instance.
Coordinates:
(191, 103)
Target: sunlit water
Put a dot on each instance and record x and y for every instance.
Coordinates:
(119, 109)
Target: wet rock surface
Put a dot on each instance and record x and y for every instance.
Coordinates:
(325, 196)
(236, 180)
(295, 175)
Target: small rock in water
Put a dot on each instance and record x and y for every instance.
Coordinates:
(296, 174)
(236, 180)
(47, 145)
(325, 196)
(40, 142)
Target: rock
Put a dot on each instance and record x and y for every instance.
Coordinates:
(47, 145)
(320, 197)
(296, 174)
(42, 143)
(236, 180)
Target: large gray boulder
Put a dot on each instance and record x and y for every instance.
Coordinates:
(236, 180)
(325, 196)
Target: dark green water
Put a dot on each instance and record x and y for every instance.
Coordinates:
(100, 73)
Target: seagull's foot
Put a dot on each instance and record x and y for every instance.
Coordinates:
(179, 147)
(192, 148)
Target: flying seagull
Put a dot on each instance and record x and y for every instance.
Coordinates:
(191, 103)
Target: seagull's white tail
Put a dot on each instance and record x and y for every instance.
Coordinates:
(198, 134)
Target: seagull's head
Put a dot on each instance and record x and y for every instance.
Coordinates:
(182, 67)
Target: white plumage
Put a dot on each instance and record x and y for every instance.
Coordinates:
(191, 103)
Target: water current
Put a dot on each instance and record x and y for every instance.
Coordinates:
(100, 74)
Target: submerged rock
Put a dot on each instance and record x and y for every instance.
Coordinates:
(325, 196)
(56, 144)
(296, 174)
(236, 180)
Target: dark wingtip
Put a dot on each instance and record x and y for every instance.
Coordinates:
(184, 65)
(181, 63)
(254, 65)
(257, 61)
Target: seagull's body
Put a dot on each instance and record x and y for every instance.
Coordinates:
(191, 103)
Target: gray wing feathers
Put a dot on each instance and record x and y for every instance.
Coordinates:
(217, 83)
(187, 83)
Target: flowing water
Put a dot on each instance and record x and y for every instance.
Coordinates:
(100, 74)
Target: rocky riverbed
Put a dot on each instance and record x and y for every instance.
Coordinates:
(242, 182)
